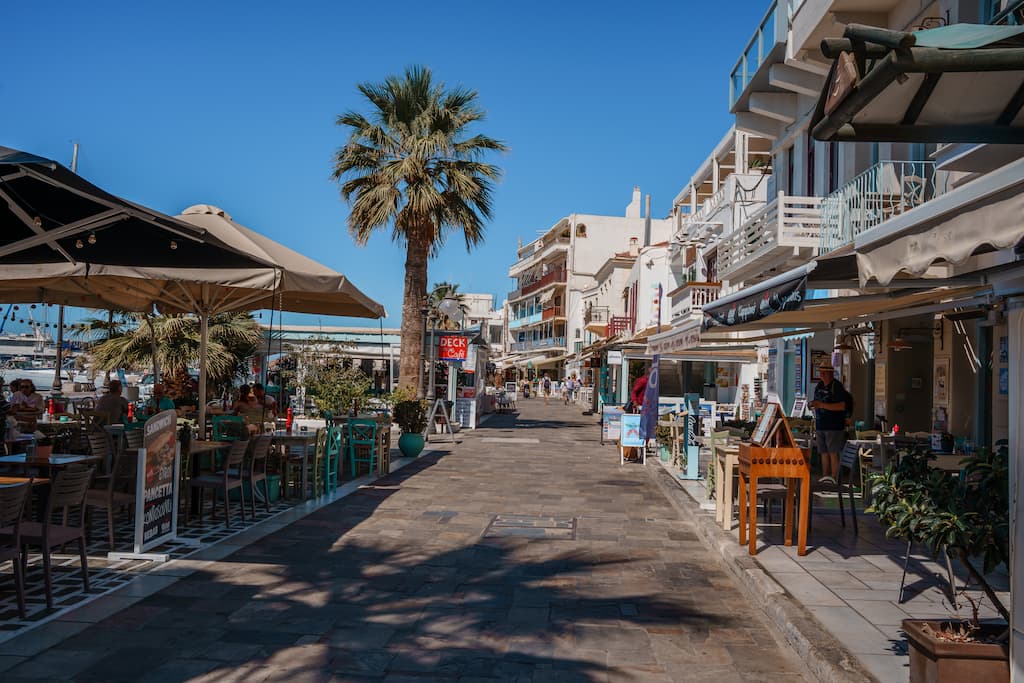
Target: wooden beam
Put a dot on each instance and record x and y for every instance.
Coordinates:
(876, 132)
(920, 99)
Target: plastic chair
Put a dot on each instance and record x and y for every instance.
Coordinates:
(229, 428)
(13, 500)
(362, 443)
(114, 491)
(257, 471)
(68, 491)
(225, 481)
(134, 438)
(332, 457)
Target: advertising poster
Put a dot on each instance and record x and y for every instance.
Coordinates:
(941, 381)
(1004, 381)
(611, 423)
(631, 431)
(157, 493)
(452, 347)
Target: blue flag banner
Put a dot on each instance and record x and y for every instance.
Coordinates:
(649, 411)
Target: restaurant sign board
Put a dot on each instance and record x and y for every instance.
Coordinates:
(611, 423)
(788, 296)
(452, 347)
(156, 496)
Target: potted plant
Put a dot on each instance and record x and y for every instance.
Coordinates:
(44, 445)
(663, 434)
(969, 519)
(411, 416)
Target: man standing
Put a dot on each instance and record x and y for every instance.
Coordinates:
(829, 404)
(113, 404)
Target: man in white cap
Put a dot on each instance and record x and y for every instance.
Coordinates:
(829, 404)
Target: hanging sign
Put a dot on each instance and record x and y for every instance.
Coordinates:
(452, 347)
(788, 296)
(615, 358)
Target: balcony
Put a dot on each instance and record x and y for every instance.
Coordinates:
(552, 313)
(887, 189)
(554, 276)
(595, 319)
(538, 344)
(525, 320)
(765, 47)
(787, 231)
(738, 197)
(619, 324)
(692, 297)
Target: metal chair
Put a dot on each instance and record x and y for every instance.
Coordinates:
(67, 491)
(850, 461)
(114, 491)
(13, 500)
(225, 481)
(134, 438)
(362, 443)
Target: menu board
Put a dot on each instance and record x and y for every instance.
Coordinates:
(611, 423)
(764, 425)
(631, 431)
(465, 412)
(157, 483)
(799, 407)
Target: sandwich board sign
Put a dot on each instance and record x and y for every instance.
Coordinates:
(156, 488)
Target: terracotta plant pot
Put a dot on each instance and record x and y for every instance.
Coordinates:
(932, 659)
(411, 444)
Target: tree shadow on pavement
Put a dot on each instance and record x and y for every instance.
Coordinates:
(340, 596)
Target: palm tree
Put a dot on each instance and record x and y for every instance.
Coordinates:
(232, 338)
(411, 165)
(438, 294)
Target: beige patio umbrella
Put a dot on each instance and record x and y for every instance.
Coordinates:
(302, 285)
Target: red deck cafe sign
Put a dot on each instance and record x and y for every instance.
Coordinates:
(452, 347)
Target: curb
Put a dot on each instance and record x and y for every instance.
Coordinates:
(822, 654)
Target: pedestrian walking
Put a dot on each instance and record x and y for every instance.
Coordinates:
(545, 387)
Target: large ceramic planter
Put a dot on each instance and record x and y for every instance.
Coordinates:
(663, 453)
(944, 661)
(411, 444)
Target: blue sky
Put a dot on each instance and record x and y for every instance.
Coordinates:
(233, 104)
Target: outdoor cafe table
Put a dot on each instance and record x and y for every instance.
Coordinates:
(297, 440)
(14, 481)
(726, 458)
(54, 461)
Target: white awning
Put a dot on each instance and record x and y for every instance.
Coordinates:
(686, 336)
(987, 212)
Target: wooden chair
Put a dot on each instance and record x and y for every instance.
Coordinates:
(362, 444)
(332, 457)
(317, 465)
(225, 481)
(257, 471)
(67, 491)
(13, 501)
(115, 491)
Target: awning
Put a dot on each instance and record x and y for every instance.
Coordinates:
(846, 311)
(784, 292)
(957, 83)
(686, 336)
(984, 214)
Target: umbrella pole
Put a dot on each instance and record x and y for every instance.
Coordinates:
(60, 350)
(152, 349)
(204, 329)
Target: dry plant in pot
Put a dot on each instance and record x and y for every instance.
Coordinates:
(967, 518)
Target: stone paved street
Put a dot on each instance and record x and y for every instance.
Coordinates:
(525, 553)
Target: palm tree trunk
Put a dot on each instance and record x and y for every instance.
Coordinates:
(410, 364)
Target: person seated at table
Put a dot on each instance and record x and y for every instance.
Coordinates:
(27, 404)
(113, 404)
(245, 402)
(15, 387)
(159, 401)
(265, 401)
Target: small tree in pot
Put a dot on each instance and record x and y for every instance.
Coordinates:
(411, 416)
(969, 519)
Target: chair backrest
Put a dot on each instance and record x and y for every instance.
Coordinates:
(124, 471)
(848, 458)
(362, 432)
(101, 444)
(68, 490)
(260, 453)
(229, 428)
(82, 404)
(334, 439)
(95, 417)
(320, 448)
(12, 505)
(236, 454)
(133, 437)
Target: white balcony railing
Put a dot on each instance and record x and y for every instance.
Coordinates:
(887, 189)
(773, 235)
(693, 297)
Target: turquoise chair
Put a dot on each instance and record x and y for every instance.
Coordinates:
(332, 457)
(362, 443)
(229, 428)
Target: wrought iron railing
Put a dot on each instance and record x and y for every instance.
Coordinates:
(887, 189)
(597, 315)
